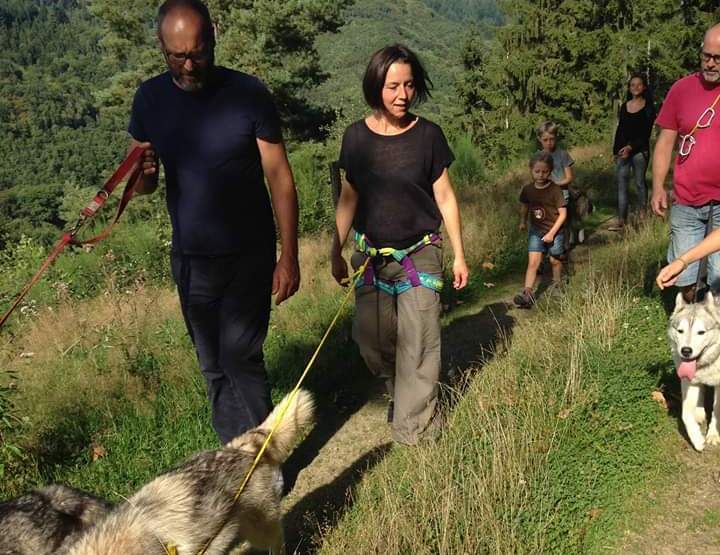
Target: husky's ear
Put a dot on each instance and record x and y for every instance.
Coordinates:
(679, 302)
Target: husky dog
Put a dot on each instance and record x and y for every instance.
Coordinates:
(694, 333)
(193, 506)
(48, 520)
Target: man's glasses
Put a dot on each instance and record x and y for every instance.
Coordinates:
(706, 57)
(179, 58)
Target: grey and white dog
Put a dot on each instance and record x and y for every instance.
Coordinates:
(193, 506)
(694, 334)
(48, 520)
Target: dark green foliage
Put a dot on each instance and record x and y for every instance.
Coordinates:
(275, 40)
(373, 24)
(568, 61)
(468, 10)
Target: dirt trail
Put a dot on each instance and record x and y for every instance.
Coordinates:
(353, 436)
(683, 516)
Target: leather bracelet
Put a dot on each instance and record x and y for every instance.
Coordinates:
(685, 264)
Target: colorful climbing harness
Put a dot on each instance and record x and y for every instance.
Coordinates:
(402, 256)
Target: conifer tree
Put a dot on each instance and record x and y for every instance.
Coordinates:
(569, 60)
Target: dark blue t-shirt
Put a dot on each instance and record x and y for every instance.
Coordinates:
(206, 141)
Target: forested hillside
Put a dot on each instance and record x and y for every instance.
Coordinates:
(70, 69)
(569, 60)
(372, 24)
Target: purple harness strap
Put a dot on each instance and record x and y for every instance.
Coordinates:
(405, 261)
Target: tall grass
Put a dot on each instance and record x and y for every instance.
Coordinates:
(107, 393)
(547, 441)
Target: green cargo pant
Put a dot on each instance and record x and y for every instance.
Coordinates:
(399, 339)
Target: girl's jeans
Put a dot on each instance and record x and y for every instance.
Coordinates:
(638, 164)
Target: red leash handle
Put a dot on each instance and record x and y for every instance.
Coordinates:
(85, 214)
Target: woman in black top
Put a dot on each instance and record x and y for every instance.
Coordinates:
(632, 145)
(396, 194)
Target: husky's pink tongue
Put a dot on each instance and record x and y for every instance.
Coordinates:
(686, 370)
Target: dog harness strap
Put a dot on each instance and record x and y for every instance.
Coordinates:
(403, 257)
(170, 549)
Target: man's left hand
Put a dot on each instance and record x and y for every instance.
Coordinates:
(286, 278)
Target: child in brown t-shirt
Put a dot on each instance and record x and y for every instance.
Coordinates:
(542, 202)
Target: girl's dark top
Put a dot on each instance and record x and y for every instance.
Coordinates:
(634, 129)
(393, 176)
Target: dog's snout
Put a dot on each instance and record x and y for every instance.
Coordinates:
(686, 352)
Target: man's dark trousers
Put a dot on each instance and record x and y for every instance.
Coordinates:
(225, 301)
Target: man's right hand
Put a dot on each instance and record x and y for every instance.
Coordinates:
(659, 202)
(149, 159)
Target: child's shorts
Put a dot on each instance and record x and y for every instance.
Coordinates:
(536, 244)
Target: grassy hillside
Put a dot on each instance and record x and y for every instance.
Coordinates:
(542, 453)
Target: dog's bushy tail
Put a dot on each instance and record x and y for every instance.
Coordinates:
(298, 416)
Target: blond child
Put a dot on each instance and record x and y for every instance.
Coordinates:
(543, 212)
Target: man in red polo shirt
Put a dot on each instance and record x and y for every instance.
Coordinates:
(687, 118)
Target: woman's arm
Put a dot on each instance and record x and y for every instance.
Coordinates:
(344, 215)
(669, 274)
(447, 203)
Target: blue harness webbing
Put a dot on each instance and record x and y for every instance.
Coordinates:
(402, 256)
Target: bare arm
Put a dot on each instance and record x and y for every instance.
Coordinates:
(662, 156)
(562, 216)
(286, 278)
(149, 182)
(344, 215)
(447, 203)
(568, 178)
(524, 209)
(668, 275)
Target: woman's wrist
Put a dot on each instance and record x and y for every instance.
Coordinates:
(683, 262)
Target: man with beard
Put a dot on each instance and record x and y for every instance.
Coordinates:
(687, 118)
(217, 133)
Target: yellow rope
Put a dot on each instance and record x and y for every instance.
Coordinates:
(351, 281)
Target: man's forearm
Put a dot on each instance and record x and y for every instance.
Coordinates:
(662, 157)
(285, 204)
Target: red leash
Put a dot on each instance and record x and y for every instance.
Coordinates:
(85, 215)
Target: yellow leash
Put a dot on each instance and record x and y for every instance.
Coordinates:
(350, 281)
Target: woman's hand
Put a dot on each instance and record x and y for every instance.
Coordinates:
(669, 274)
(339, 268)
(522, 226)
(548, 238)
(460, 273)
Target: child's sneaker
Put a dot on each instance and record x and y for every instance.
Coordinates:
(524, 299)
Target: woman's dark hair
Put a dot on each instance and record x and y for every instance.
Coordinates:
(541, 156)
(646, 93)
(195, 5)
(376, 72)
